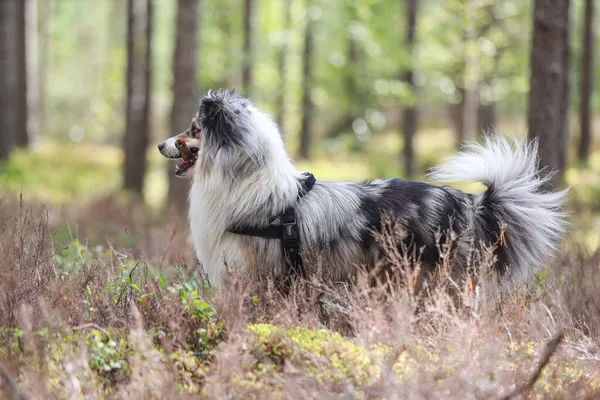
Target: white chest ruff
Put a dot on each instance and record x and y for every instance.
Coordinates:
(215, 249)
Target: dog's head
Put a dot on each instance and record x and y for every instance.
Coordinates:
(192, 140)
(227, 134)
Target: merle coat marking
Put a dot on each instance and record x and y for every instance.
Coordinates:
(244, 177)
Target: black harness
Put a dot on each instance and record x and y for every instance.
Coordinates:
(287, 232)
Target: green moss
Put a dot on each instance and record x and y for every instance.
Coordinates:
(327, 356)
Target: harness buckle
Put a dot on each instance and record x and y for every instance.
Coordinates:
(290, 236)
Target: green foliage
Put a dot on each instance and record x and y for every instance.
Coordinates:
(126, 286)
(62, 172)
(209, 332)
(108, 358)
(494, 35)
(73, 257)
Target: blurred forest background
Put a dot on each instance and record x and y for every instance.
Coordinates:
(360, 88)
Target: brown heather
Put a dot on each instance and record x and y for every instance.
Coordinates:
(105, 300)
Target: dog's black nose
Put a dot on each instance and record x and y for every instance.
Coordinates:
(161, 146)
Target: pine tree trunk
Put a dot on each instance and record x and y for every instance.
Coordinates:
(410, 113)
(21, 134)
(33, 69)
(139, 40)
(283, 55)
(185, 90)
(549, 92)
(457, 116)
(7, 79)
(147, 90)
(486, 108)
(352, 90)
(587, 83)
(45, 48)
(486, 117)
(307, 103)
(247, 66)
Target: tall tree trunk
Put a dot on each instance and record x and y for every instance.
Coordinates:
(351, 85)
(232, 76)
(410, 113)
(146, 109)
(139, 41)
(549, 91)
(21, 134)
(587, 83)
(486, 108)
(486, 117)
(33, 69)
(564, 131)
(248, 51)
(45, 48)
(7, 78)
(307, 103)
(464, 113)
(185, 89)
(283, 55)
(457, 116)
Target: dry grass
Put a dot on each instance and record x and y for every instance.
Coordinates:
(115, 307)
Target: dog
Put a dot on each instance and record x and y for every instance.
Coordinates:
(242, 178)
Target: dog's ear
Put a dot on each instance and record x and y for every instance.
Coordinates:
(219, 116)
(211, 110)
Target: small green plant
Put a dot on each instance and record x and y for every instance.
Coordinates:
(73, 257)
(208, 332)
(109, 358)
(126, 287)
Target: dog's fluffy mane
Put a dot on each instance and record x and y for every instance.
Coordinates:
(244, 177)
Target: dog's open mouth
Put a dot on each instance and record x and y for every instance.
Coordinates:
(189, 156)
(183, 166)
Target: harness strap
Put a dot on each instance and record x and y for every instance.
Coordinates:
(287, 232)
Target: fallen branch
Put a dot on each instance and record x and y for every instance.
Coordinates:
(549, 350)
(89, 326)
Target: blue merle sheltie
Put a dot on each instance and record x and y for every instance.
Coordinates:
(242, 178)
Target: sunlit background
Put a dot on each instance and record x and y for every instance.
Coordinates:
(469, 61)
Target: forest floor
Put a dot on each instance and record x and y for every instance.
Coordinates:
(100, 297)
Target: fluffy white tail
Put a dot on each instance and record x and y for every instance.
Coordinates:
(517, 197)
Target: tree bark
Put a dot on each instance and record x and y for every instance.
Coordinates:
(33, 69)
(283, 55)
(139, 43)
(45, 49)
(486, 117)
(410, 113)
(7, 79)
(486, 108)
(457, 116)
(307, 103)
(352, 75)
(185, 89)
(21, 134)
(549, 91)
(146, 121)
(586, 84)
(248, 61)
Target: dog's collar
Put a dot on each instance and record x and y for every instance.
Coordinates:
(287, 232)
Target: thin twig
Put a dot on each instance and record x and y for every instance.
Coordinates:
(549, 350)
(88, 326)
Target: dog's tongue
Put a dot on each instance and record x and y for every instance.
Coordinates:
(182, 164)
